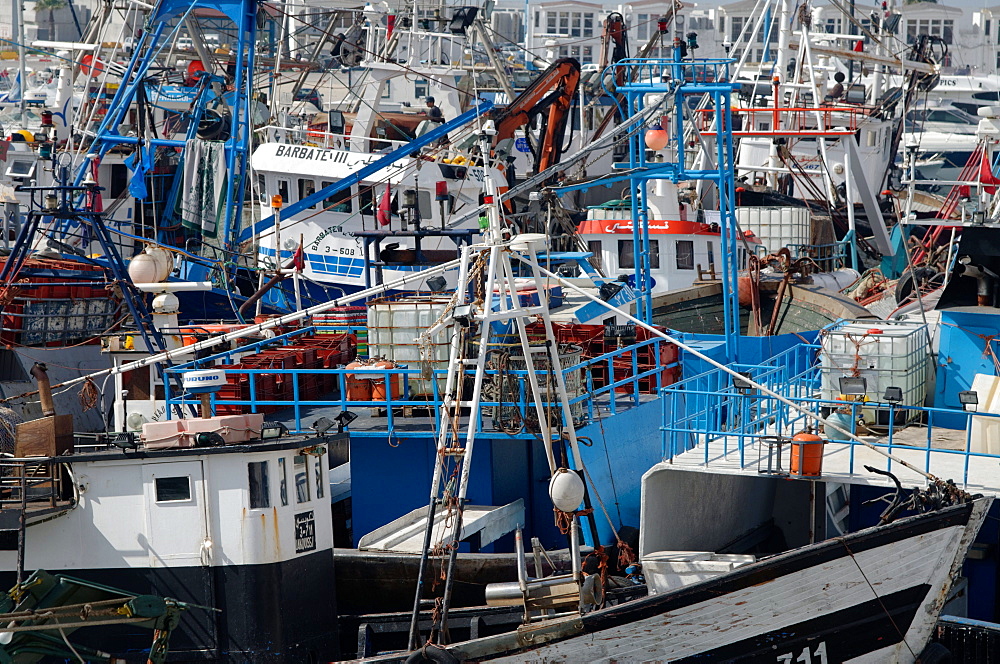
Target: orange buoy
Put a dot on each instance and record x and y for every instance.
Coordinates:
(359, 387)
(807, 455)
(378, 381)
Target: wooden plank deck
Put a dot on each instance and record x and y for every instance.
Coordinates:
(843, 462)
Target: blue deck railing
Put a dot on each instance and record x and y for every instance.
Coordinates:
(626, 385)
(728, 418)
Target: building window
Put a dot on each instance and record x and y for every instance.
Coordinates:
(986, 28)
(282, 481)
(685, 254)
(642, 27)
(550, 23)
(173, 489)
(260, 492)
(300, 470)
(736, 24)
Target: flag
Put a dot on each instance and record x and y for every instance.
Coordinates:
(859, 47)
(986, 176)
(384, 214)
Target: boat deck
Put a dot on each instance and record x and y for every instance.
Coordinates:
(845, 462)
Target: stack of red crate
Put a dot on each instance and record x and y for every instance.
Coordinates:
(237, 388)
(591, 338)
(332, 351)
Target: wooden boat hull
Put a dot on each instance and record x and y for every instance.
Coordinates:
(872, 596)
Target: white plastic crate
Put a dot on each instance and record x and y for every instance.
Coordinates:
(776, 227)
(884, 353)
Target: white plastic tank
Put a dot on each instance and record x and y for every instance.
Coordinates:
(884, 353)
(776, 227)
(395, 326)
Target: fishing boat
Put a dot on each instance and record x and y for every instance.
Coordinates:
(873, 595)
(207, 510)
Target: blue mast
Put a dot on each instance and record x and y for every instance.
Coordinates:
(679, 80)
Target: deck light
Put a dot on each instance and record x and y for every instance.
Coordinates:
(272, 430)
(742, 383)
(893, 394)
(437, 284)
(662, 25)
(51, 202)
(409, 199)
(853, 386)
(463, 315)
(322, 425)
(968, 398)
(344, 419)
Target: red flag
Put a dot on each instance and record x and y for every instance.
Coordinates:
(384, 214)
(986, 176)
(299, 259)
(860, 46)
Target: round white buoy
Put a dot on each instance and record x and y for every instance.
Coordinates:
(164, 262)
(566, 490)
(142, 269)
(200, 382)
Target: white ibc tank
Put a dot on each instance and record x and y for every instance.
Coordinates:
(395, 325)
(776, 227)
(884, 353)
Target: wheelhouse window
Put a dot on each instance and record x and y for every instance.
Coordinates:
(282, 481)
(283, 192)
(685, 254)
(260, 491)
(262, 188)
(307, 187)
(300, 470)
(319, 477)
(339, 202)
(173, 489)
(594, 246)
(626, 254)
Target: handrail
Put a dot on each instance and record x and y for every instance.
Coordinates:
(625, 379)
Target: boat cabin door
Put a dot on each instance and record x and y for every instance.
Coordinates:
(176, 514)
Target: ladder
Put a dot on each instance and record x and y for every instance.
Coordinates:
(491, 260)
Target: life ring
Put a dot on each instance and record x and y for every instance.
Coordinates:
(431, 654)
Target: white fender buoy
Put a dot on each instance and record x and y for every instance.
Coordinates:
(566, 490)
(164, 262)
(143, 269)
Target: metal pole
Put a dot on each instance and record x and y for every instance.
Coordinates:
(21, 525)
